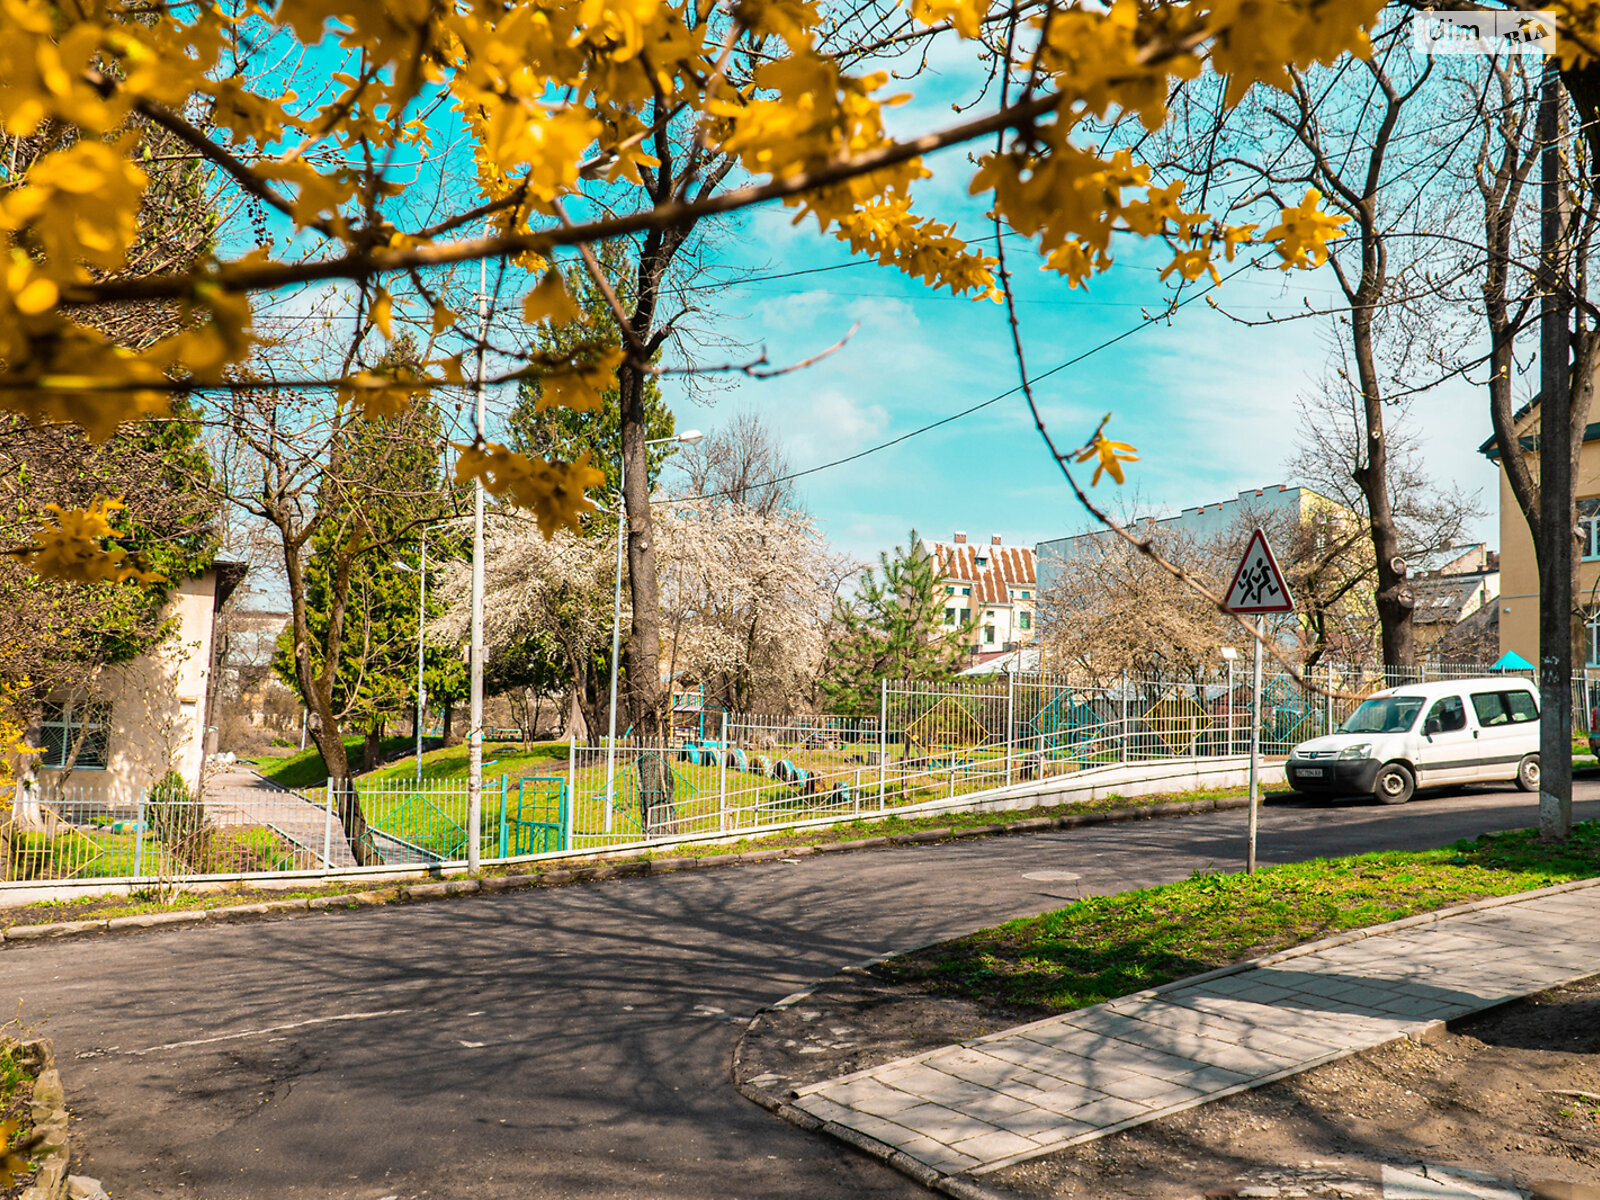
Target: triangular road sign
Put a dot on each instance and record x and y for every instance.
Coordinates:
(1258, 586)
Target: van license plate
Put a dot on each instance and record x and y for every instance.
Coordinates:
(1310, 772)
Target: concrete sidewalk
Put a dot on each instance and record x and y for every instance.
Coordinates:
(1034, 1089)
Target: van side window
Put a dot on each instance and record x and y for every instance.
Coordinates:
(1449, 714)
(1504, 708)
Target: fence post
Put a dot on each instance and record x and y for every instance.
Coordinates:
(1328, 703)
(327, 826)
(883, 743)
(722, 779)
(505, 848)
(855, 796)
(572, 786)
(1124, 698)
(1011, 712)
(138, 838)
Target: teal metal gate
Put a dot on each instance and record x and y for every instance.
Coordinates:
(536, 818)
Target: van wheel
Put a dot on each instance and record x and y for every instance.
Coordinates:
(1528, 773)
(1394, 784)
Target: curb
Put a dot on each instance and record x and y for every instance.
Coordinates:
(966, 1187)
(601, 869)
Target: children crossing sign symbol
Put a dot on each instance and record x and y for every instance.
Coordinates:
(1258, 585)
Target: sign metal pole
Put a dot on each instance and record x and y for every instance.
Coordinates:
(1255, 745)
(1258, 588)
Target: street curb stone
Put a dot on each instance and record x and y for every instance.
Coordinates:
(185, 916)
(49, 1118)
(55, 929)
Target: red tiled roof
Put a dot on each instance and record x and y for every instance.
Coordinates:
(1004, 567)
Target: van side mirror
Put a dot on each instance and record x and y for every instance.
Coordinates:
(1432, 726)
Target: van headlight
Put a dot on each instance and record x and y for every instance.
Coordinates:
(1362, 750)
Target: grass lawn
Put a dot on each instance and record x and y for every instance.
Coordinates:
(450, 762)
(1108, 946)
(306, 769)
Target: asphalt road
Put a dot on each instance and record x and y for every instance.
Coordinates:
(565, 1042)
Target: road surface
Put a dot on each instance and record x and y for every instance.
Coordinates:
(563, 1042)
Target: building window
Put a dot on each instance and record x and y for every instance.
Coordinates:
(988, 634)
(1591, 638)
(1025, 619)
(1025, 595)
(61, 726)
(1589, 529)
(966, 591)
(949, 616)
(950, 591)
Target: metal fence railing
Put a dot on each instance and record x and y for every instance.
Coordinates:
(731, 773)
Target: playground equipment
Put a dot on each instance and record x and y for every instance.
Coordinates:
(949, 727)
(1178, 720)
(1067, 727)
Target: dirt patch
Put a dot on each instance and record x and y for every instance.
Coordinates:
(1495, 1094)
(1514, 1093)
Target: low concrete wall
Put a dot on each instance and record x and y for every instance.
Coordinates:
(1123, 779)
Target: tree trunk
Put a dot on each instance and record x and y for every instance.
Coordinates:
(449, 719)
(1555, 549)
(1394, 599)
(642, 654)
(372, 747)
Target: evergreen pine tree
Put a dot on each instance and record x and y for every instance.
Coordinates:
(893, 629)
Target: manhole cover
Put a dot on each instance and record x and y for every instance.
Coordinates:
(1054, 876)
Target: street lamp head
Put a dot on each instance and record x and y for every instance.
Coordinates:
(689, 437)
(406, 567)
(1230, 652)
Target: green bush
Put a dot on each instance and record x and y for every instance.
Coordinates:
(177, 820)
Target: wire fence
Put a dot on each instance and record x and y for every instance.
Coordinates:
(729, 774)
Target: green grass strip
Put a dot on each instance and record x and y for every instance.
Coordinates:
(1107, 946)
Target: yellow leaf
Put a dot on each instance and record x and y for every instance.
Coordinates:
(1111, 456)
(443, 317)
(76, 549)
(549, 301)
(382, 311)
(554, 490)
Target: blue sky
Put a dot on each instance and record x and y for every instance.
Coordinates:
(1208, 402)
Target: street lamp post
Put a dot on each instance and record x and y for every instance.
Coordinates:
(475, 733)
(687, 438)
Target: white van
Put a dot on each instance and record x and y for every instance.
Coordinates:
(1426, 735)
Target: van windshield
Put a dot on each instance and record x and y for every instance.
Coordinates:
(1387, 714)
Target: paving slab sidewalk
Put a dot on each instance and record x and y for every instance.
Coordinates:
(1035, 1089)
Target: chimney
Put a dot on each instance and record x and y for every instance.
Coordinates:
(961, 538)
(994, 539)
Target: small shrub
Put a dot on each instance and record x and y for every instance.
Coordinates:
(177, 820)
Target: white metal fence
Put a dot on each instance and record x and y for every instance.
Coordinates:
(737, 773)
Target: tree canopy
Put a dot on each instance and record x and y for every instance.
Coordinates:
(560, 102)
(893, 628)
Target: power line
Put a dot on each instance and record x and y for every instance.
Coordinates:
(967, 412)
